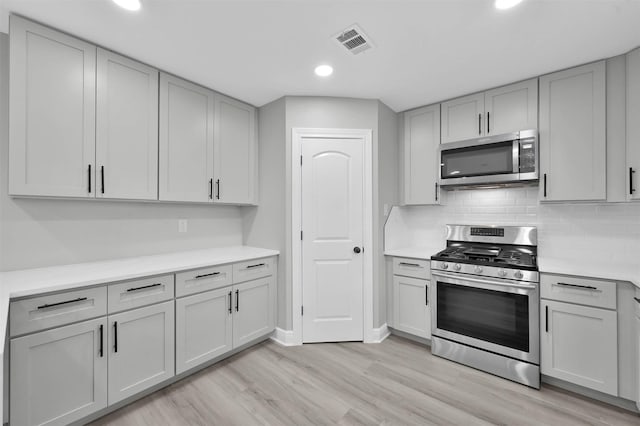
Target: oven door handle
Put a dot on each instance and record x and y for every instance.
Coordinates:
(486, 281)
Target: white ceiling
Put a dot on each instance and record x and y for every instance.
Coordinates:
(425, 51)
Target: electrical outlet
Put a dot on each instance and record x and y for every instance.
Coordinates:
(182, 225)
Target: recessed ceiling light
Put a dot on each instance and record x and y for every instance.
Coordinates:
(128, 4)
(506, 4)
(324, 70)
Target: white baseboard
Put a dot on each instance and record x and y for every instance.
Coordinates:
(379, 334)
(283, 337)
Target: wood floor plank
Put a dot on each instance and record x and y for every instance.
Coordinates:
(396, 382)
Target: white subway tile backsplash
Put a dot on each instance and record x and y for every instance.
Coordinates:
(574, 233)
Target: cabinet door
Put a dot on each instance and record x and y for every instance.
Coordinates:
(141, 349)
(254, 310)
(235, 146)
(126, 128)
(579, 344)
(420, 163)
(573, 134)
(512, 108)
(411, 311)
(633, 125)
(186, 141)
(59, 376)
(52, 117)
(462, 118)
(203, 327)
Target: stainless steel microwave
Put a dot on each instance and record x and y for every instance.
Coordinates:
(501, 159)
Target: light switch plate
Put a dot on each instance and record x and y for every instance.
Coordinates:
(182, 225)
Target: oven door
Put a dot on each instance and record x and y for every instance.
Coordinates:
(500, 316)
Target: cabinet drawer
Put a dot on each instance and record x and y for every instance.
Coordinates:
(142, 292)
(204, 279)
(252, 269)
(39, 313)
(584, 291)
(416, 268)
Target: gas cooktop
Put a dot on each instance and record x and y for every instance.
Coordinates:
(504, 256)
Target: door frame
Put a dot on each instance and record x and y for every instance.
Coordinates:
(297, 136)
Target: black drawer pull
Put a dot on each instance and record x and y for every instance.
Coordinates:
(206, 275)
(631, 188)
(583, 287)
(426, 295)
(230, 303)
(89, 174)
(237, 300)
(51, 305)
(409, 264)
(636, 299)
(255, 266)
(144, 287)
(546, 319)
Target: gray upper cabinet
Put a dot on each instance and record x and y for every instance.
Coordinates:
(462, 118)
(126, 128)
(573, 134)
(511, 108)
(52, 112)
(186, 141)
(502, 110)
(419, 159)
(235, 156)
(633, 125)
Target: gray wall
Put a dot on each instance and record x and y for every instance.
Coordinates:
(264, 226)
(42, 232)
(388, 194)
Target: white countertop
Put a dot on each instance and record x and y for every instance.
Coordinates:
(29, 282)
(593, 270)
(414, 252)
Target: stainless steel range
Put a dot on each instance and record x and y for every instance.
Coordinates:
(487, 306)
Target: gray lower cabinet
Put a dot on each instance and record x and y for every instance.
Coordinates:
(141, 349)
(411, 310)
(213, 323)
(203, 327)
(59, 376)
(253, 313)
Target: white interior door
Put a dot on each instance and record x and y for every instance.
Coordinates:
(332, 225)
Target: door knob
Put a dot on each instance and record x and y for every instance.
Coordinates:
(356, 250)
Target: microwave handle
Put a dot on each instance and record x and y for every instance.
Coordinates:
(516, 156)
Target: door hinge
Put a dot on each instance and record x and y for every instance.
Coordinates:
(301, 160)
(300, 235)
(302, 310)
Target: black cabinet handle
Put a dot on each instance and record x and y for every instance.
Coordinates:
(546, 319)
(631, 189)
(436, 191)
(211, 189)
(479, 124)
(545, 185)
(51, 305)
(426, 295)
(636, 299)
(409, 264)
(230, 303)
(89, 174)
(237, 300)
(488, 128)
(102, 179)
(101, 341)
(218, 187)
(582, 287)
(255, 266)
(144, 287)
(206, 275)
(115, 336)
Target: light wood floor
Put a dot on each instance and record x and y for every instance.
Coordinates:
(396, 382)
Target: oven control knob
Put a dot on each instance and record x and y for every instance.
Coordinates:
(477, 269)
(444, 265)
(502, 273)
(457, 266)
(518, 275)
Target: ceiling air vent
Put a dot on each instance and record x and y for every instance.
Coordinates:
(354, 39)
